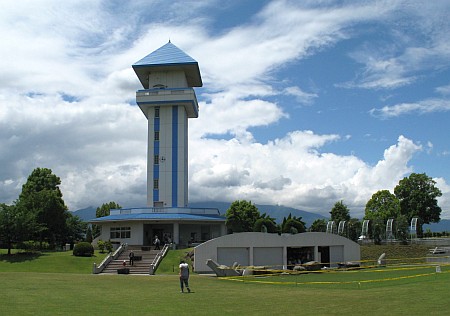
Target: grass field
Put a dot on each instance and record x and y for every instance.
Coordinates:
(28, 288)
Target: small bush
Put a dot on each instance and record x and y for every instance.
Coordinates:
(101, 245)
(32, 245)
(83, 249)
(108, 246)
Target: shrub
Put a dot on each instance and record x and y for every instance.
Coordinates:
(108, 246)
(32, 245)
(101, 245)
(83, 249)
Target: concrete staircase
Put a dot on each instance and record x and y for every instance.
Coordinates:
(139, 266)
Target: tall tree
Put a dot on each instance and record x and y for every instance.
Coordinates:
(340, 212)
(101, 211)
(383, 205)
(242, 216)
(418, 198)
(41, 195)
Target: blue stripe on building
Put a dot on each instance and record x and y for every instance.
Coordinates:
(156, 124)
(175, 155)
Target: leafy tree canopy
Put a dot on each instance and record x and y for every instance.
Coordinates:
(353, 229)
(266, 224)
(383, 205)
(76, 229)
(242, 216)
(41, 196)
(293, 225)
(340, 212)
(319, 225)
(105, 209)
(101, 211)
(418, 198)
(16, 225)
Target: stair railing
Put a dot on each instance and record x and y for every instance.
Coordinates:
(110, 257)
(157, 260)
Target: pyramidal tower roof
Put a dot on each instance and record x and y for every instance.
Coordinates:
(168, 58)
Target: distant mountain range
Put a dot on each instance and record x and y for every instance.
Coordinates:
(276, 211)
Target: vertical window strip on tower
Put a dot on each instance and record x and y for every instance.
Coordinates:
(174, 155)
(156, 130)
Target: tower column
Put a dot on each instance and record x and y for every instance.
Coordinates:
(176, 233)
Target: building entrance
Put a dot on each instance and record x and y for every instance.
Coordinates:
(299, 255)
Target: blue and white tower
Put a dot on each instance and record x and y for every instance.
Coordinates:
(168, 76)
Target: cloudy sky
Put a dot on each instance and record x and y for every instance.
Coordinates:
(303, 104)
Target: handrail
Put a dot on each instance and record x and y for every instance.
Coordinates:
(157, 260)
(98, 269)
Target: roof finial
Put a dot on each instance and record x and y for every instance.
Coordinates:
(169, 39)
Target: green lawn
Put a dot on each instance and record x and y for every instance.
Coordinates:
(49, 262)
(27, 288)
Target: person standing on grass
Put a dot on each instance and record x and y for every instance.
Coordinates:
(184, 276)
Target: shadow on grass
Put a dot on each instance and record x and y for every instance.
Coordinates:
(20, 256)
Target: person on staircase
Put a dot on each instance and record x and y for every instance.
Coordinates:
(157, 242)
(131, 256)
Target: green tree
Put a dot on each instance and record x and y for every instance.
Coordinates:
(102, 211)
(293, 225)
(266, 224)
(418, 198)
(105, 209)
(101, 245)
(401, 228)
(242, 216)
(383, 205)
(89, 234)
(319, 225)
(16, 225)
(378, 230)
(354, 229)
(41, 196)
(76, 229)
(340, 212)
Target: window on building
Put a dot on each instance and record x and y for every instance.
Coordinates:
(156, 136)
(156, 112)
(156, 184)
(156, 159)
(120, 232)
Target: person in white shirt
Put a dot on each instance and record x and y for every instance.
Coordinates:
(184, 276)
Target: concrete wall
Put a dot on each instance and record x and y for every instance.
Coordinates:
(269, 249)
(167, 79)
(184, 231)
(137, 232)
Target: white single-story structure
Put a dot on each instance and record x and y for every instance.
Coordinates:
(182, 226)
(277, 251)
